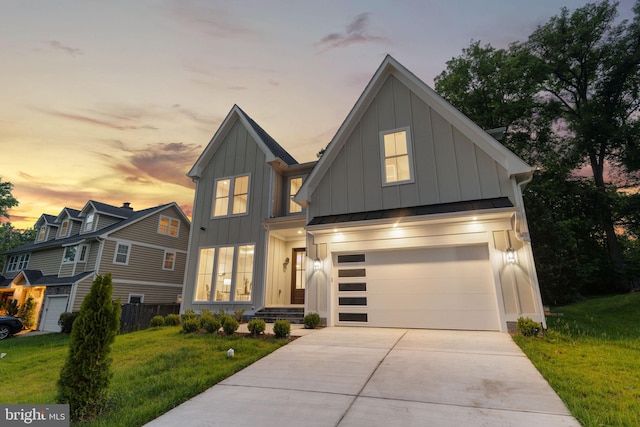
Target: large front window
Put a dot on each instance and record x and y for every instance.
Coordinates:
(231, 196)
(225, 274)
(18, 262)
(396, 152)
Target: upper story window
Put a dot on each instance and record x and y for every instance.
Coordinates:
(18, 262)
(169, 260)
(42, 233)
(65, 228)
(84, 253)
(231, 196)
(396, 152)
(294, 186)
(122, 253)
(89, 221)
(69, 254)
(168, 226)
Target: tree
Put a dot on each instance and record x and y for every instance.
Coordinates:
(11, 238)
(85, 376)
(27, 312)
(592, 77)
(7, 201)
(576, 104)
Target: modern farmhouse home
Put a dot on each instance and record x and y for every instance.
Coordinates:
(413, 217)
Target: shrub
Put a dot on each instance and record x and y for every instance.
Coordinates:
(66, 321)
(188, 315)
(190, 326)
(527, 327)
(12, 308)
(86, 373)
(172, 320)
(157, 321)
(230, 325)
(282, 328)
(256, 326)
(209, 323)
(27, 312)
(239, 313)
(311, 320)
(222, 317)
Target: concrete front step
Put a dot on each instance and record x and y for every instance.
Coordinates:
(270, 315)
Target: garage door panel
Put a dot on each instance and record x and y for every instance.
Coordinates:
(439, 288)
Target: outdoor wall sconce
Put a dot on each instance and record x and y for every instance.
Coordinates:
(285, 264)
(510, 255)
(316, 265)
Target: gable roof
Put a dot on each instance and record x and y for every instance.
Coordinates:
(512, 163)
(46, 219)
(106, 209)
(134, 217)
(267, 144)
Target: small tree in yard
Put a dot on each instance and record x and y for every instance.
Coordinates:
(85, 376)
(27, 312)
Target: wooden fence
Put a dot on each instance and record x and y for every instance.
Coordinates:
(138, 316)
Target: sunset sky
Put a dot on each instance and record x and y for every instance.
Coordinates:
(114, 100)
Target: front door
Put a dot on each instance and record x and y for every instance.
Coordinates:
(298, 275)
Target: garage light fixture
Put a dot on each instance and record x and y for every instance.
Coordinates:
(317, 265)
(510, 255)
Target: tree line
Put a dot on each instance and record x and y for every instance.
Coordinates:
(568, 98)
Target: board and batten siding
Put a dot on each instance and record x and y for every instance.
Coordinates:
(448, 166)
(237, 154)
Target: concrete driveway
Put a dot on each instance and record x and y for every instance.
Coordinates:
(382, 377)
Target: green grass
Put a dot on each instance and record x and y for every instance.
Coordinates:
(591, 358)
(154, 369)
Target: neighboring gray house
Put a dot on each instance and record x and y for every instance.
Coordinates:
(413, 217)
(144, 250)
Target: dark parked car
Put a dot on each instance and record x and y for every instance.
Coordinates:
(9, 325)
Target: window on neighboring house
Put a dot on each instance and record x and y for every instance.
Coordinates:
(136, 299)
(69, 254)
(225, 273)
(84, 252)
(42, 233)
(18, 262)
(396, 152)
(88, 222)
(64, 228)
(122, 253)
(168, 226)
(231, 196)
(169, 260)
(294, 186)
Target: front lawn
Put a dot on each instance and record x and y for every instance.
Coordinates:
(591, 358)
(154, 369)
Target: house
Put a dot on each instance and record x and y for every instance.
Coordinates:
(413, 217)
(145, 251)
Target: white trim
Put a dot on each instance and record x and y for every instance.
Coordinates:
(67, 231)
(145, 245)
(144, 283)
(116, 253)
(164, 260)
(135, 295)
(232, 185)
(169, 219)
(383, 157)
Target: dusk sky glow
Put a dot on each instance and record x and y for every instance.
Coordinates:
(114, 101)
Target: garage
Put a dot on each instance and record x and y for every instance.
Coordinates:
(436, 288)
(53, 308)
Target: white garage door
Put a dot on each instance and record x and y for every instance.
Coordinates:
(436, 288)
(53, 308)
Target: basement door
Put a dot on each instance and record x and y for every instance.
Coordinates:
(433, 288)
